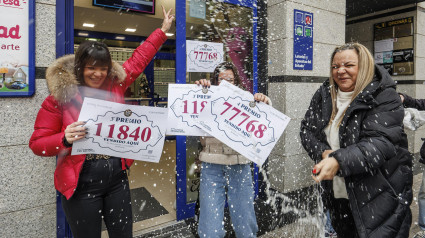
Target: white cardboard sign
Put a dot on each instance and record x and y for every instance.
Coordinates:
(186, 102)
(252, 129)
(124, 131)
(203, 56)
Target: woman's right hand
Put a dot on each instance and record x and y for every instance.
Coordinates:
(203, 82)
(168, 20)
(402, 98)
(75, 131)
(326, 153)
(325, 169)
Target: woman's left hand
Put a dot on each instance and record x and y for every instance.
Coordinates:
(261, 98)
(326, 169)
(168, 20)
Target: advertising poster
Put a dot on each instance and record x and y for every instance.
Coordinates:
(186, 102)
(17, 48)
(383, 45)
(303, 40)
(121, 130)
(251, 128)
(387, 57)
(203, 56)
(379, 58)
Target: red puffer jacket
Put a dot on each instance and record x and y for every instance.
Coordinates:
(62, 108)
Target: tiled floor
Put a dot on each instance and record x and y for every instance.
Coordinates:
(159, 179)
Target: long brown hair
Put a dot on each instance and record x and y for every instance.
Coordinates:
(226, 66)
(94, 53)
(364, 77)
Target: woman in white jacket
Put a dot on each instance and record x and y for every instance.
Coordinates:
(226, 172)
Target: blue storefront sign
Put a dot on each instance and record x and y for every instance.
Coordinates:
(303, 40)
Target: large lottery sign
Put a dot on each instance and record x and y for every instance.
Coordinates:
(203, 56)
(250, 128)
(120, 130)
(186, 102)
(17, 44)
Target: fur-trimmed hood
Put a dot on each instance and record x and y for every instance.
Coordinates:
(62, 82)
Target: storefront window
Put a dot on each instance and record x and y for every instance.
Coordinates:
(230, 25)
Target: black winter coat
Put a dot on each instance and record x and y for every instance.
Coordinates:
(420, 105)
(373, 158)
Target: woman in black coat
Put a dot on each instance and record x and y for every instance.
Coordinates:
(420, 105)
(353, 131)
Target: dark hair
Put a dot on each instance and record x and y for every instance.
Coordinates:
(226, 66)
(94, 53)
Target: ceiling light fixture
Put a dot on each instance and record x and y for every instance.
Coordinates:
(169, 34)
(83, 34)
(88, 25)
(130, 30)
(119, 37)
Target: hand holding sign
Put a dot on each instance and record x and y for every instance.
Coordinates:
(186, 103)
(120, 130)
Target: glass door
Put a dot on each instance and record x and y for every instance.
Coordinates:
(234, 24)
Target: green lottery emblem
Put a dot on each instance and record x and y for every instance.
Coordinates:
(308, 32)
(299, 31)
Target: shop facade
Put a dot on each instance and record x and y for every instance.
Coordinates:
(260, 38)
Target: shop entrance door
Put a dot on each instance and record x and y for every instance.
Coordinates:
(233, 23)
(152, 185)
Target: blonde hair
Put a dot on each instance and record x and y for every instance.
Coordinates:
(365, 75)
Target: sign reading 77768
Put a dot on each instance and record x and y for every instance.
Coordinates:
(251, 128)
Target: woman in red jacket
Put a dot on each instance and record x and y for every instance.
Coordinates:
(92, 186)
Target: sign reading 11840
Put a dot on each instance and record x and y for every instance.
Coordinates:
(303, 40)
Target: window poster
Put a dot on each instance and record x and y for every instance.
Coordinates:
(17, 48)
(393, 46)
(202, 56)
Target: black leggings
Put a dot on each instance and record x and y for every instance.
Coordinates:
(102, 192)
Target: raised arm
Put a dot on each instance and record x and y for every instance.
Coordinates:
(143, 55)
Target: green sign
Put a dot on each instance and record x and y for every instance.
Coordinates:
(299, 30)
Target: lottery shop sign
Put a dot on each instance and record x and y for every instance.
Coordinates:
(203, 56)
(303, 40)
(17, 47)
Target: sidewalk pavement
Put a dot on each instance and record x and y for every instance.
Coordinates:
(303, 228)
(417, 180)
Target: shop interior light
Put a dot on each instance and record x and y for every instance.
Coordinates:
(83, 34)
(119, 37)
(130, 30)
(88, 25)
(169, 34)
